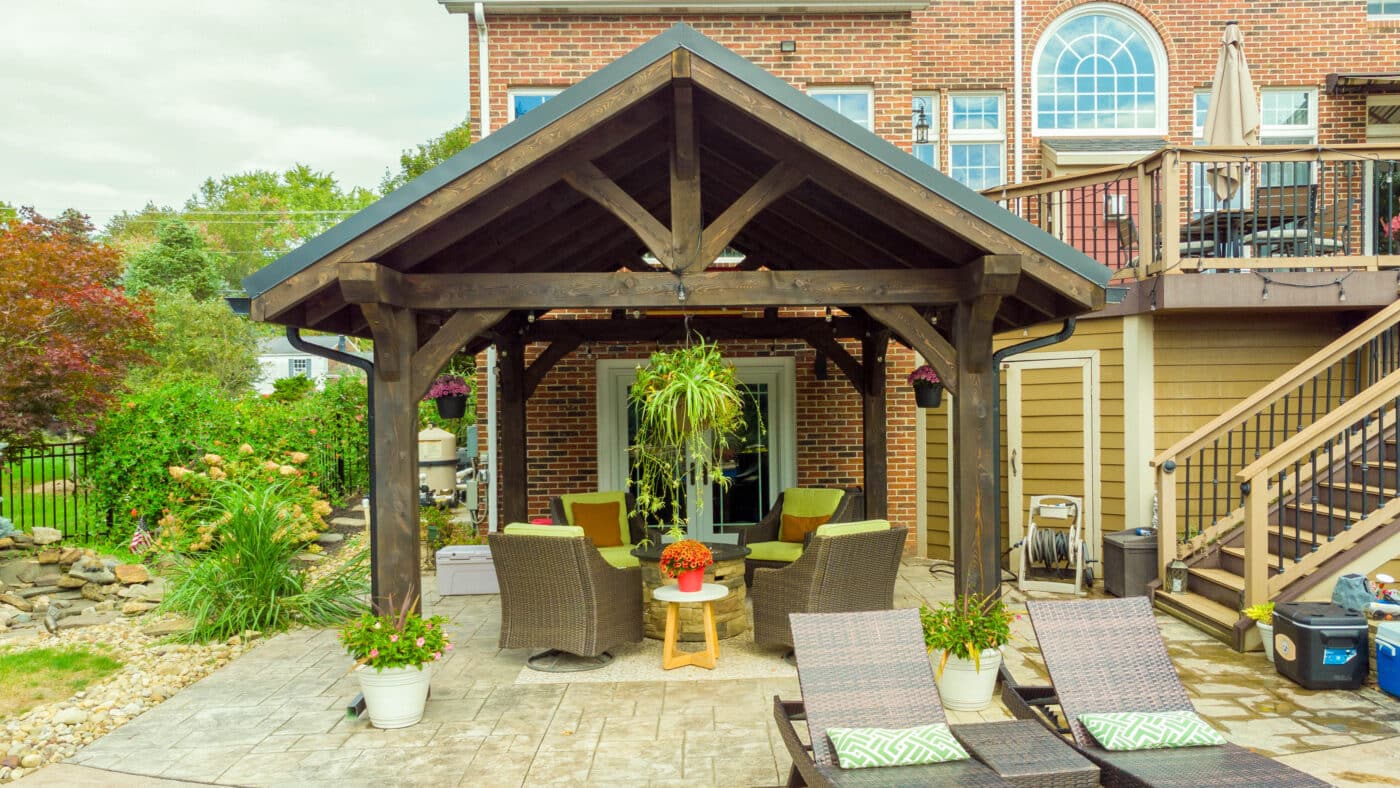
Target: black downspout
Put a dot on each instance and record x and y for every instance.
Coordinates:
(294, 338)
(1033, 344)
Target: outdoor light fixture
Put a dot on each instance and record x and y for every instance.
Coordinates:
(787, 47)
(921, 122)
(1176, 577)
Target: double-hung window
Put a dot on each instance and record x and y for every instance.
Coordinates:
(1287, 116)
(927, 104)
(521, 100)
(299, 366)
(977, 139)
(856, 103)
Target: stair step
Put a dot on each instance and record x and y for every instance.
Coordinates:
(1232, 560)
(1220, 577)
(1214, 618)
(1375, 471)
(1357, 488)
(1216, 585)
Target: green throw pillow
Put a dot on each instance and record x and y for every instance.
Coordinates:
(1143, 730)
(860, 748)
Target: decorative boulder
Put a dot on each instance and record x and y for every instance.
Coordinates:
(130, 574)
(43, 536)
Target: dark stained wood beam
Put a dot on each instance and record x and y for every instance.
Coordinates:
(384, 325)
(825, 342)
(394, 558)
(777, 182)
(371, 283)
(515, 491)
(686, 218)
(545, 361)
(321, 307)
(658, 329)
(977, 504)
(875, 445)
(922, 337)
(594, 183)
(451, 337)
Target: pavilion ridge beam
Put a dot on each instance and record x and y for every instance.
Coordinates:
(545, 361)
(459, 329)
(777, 182)
(595, 184)
(940, 354)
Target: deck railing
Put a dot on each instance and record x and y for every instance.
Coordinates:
(1291, 207)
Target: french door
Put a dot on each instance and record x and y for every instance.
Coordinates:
(758, 465)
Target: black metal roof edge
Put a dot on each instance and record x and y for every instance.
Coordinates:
(679, 36)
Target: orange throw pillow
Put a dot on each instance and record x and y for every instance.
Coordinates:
(599, 522)
(795, 529)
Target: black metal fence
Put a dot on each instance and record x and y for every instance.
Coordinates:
(42, 486)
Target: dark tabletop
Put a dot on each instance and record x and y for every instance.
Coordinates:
(722, 552)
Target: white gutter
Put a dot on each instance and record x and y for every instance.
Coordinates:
(483, 68)
(1018, 92)
(483, 92)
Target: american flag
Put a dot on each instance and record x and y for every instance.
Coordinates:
(141, 539)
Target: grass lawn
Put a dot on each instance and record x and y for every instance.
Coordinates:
(45, 675)
(38, 491)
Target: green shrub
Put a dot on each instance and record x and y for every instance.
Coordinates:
(292, 389)
(249, 578)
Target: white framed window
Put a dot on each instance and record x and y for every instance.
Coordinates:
(977, 138)
(1287, 116)
(1382, 117)
(1099, 68)
(926, 102)
(856, 103)
(521, 100)
(299, 366)
(1203, 197)
(1383, 9)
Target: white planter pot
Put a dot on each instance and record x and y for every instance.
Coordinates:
(962, 684)
(1266, 633)
(395, 697)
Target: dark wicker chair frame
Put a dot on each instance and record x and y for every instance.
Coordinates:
(1107, 655)
(872, 670)
(836, 574)
(558, 593)
(850, 509)
(636, 525)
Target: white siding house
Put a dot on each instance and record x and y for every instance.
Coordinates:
(280, 360)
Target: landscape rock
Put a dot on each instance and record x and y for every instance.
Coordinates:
(70, 555)
(6, 543)
(353, 522)
(47, 578)
(31, 760)
(22, 539)
(49, 556)
(43, 536)
(17, 602)
(30, 593)
(82, 620)
(28, 572)
(94, 592)
(4, 620)
(22, 618)
(329, 537)
(92, 571)
(310, 558)
(170, 626)
(69, 581)
(70, 716)
(130, 574)
(136, 608)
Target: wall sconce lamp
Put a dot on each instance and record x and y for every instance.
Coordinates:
(787, 47)
(921, 121)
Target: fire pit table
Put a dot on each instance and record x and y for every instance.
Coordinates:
(728, 570)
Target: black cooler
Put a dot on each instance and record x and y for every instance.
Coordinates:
(1320, 645)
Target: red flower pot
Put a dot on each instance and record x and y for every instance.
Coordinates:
(691, 579)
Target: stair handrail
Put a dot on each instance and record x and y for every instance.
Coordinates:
(1258, 494)
(1169, 547)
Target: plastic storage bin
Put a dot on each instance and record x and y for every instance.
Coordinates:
(1320, 645)
(1388, 656)
(1129, 562)
(466, 569)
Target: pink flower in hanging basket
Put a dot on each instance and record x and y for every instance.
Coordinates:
(448, 386)
(922, 375)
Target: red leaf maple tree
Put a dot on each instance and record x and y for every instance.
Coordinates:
(68, 332)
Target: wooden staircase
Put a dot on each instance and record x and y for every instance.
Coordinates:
(1278, 494)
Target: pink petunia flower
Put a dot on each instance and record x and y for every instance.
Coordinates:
(374, 652)
(418, 642)
(447, 647)
(393, 638)
(437, 655)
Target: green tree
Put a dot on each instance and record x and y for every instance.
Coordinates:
(256, 217)
(179, 261)
(132, 232)
(416, 161)
(7, 213)
(198, 338)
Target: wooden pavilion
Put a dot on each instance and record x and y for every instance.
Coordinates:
(619, 194)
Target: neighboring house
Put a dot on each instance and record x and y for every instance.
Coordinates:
(279, 359)
(1080, 116)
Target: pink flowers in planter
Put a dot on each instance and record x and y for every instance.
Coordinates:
(448, 386)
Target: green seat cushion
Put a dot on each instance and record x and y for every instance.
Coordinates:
(811, 501)
(862, 748)
(775, 551)
(527, 529)
(859, 527)
(620, 556)
(1143, 730)
(601, 497)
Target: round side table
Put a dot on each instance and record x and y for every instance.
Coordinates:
(673, 597)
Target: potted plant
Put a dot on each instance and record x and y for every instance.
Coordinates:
(686, 561)
(689, 408)
(394, 655)
(964, 638)
(928, 387)
(1263, 616)
(450, 393)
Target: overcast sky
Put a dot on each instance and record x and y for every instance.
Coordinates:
(105, 105)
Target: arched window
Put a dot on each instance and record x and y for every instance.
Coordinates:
(1099, 69)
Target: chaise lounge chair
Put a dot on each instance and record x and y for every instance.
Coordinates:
(872, 670)
(1107, 655)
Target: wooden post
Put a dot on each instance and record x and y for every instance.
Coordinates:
(1144, 235)
(394, 560)
(1171, 210)
(976, 557)
(1256, 541)
(514, 482)
(875, 447)
(1166, 521)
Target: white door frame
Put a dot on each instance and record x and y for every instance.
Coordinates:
(1088, 362)
(615, 377)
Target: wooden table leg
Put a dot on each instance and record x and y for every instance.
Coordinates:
(671, 657)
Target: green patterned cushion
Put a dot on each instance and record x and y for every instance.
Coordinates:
(1143, 730)
(860, 748)
(775, 551)
(528, 529)
(859, 527)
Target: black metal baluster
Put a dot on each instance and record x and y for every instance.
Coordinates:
(1332, 487)
(1297, 509)
(1229, 467)
(1214, 484)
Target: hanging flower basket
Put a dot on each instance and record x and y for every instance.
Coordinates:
(450, 393)
(928, 388)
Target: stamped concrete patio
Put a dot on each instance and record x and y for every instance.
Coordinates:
(277, 716)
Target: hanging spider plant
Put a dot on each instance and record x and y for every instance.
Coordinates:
(690, 407)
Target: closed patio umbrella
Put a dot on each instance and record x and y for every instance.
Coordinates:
(1233, 115)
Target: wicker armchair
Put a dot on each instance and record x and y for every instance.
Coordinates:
(1107, 655)
(636, 526)
(558, 593)
(836, 574)
(851, 508)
